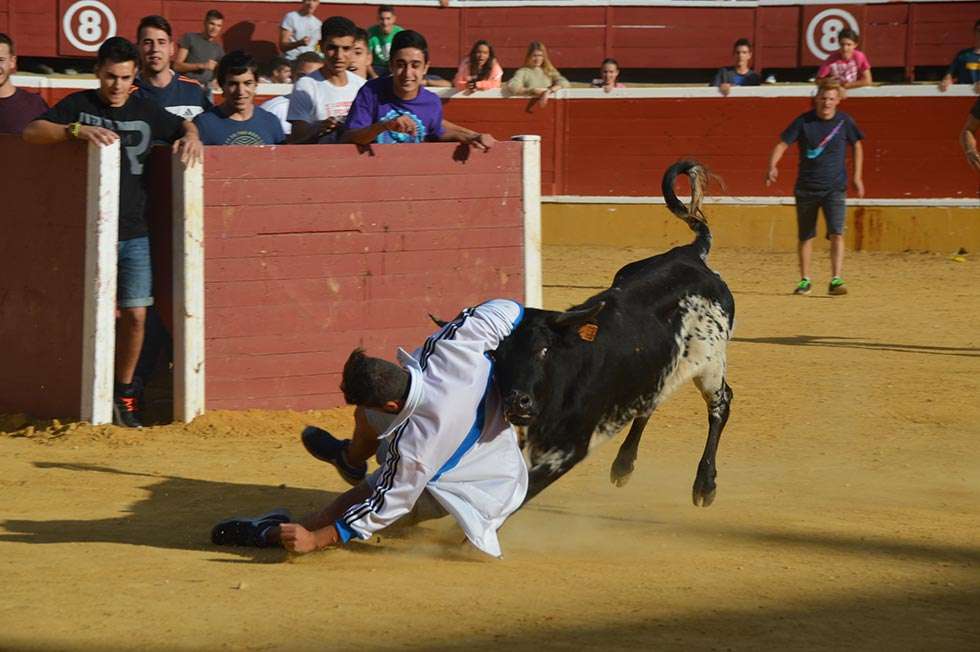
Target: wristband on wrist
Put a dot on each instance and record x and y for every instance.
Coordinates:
(74, 129)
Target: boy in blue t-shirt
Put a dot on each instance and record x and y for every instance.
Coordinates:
(396, 109)
(965, 68)
(236, 121)
(823, 135)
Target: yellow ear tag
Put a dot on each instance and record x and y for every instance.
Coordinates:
(588, 332)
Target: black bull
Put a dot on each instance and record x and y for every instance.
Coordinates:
(573, 379)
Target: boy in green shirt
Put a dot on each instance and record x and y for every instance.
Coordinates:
(380, 36)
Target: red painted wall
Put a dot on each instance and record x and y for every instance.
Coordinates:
(578, 37)
(42, 272)
(620, 147)
(313, 250)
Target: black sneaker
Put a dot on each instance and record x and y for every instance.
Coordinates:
(327, 448)
(125, 408)
(244, 531)
(803, 287)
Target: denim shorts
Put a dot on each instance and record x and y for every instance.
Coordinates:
(134, 275)
(834, 211)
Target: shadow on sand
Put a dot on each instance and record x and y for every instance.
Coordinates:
(177, 513)
(855, 343)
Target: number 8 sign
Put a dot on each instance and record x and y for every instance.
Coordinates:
(822, 30)
(86, 24)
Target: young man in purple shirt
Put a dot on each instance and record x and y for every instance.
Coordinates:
(17, 106)
(396, 109)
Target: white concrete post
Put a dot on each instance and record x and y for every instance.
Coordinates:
(188, 281)
(531, 200)
(99, 320)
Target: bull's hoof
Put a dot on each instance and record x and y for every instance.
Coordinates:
(620, 472)
(703, 494)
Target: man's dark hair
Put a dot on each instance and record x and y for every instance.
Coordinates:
(158, 22)
(337, 27)
(116, 50)
(361, 35)
(384, 8)
(236, 63)
(213, 13)
(279, 62)
(9, 42)
(409, 38)
(740, 42)
(372, 382)
(848, 33)
(610, 60)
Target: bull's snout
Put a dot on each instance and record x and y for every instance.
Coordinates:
(518, 407)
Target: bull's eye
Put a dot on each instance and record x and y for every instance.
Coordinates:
(542, 353)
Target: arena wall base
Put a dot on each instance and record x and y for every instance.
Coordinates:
(770, 227)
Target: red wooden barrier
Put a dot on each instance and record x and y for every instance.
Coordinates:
(620, 147)
(311, 251)
(42, 261)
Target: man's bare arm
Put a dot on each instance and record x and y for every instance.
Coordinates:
(42, 132)
(454, 132)
(968, 141)
(777, 154)
(859, 168)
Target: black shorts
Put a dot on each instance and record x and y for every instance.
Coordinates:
(834, 211)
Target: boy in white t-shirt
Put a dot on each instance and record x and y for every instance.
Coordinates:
(299, 30)
(320, 102)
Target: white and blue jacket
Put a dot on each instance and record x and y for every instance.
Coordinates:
(451, 437)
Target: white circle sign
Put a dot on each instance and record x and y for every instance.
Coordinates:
(821, 33)
(87, 24)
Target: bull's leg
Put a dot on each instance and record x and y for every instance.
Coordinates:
(718, 396)
(622, 466)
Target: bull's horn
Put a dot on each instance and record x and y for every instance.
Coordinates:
(577, 317)
(438, 322)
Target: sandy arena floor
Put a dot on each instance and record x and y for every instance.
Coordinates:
(847, 515)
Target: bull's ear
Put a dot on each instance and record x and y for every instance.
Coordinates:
(438, 322)
(573, 318)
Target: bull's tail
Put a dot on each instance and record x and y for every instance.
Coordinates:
(698, 176)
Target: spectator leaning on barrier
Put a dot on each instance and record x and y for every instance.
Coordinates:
(537, 78)
(198, 53)
(965, 68)
(608, 76)
(380, 38)
(156, 82)
(479, 71)
(849, 66)
(968, 138)
(360, 56)
(300, 30)
(235, 121)
(823, 135)
(320, 101)
(280, 71)
(305, 64)
(396, 109)
(111, 113)
(17, 106)
(741, 74)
